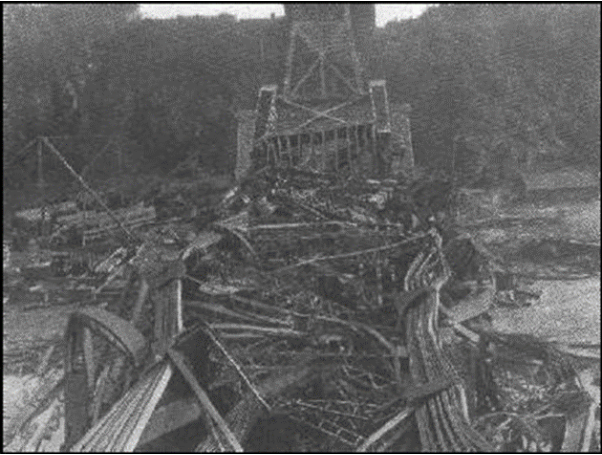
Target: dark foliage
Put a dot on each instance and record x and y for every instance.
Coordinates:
(527, 75)
(524, 74)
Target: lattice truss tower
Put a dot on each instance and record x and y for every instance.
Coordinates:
(326, 118)
(322, 54)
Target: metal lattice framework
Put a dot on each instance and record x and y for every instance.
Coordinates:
(335, 60)
(325, 117)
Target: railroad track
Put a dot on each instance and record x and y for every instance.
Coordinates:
(442, 419)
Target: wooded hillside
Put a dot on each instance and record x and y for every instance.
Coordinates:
(168, 89)
(517, 72)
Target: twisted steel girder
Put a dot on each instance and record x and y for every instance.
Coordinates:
(442, 419)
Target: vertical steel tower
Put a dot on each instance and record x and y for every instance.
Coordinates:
(326, 117)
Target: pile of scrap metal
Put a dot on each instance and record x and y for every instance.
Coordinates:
(309, 318)
(64, 221)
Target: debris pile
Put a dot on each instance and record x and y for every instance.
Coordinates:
(65, 221)
(315, 314)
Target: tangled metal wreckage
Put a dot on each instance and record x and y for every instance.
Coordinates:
(314, 314)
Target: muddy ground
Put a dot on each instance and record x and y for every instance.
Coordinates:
(554, 233)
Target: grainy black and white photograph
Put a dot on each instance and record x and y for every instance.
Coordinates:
(301, 227)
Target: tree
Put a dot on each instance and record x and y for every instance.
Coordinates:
(50, 60)
(524, 74)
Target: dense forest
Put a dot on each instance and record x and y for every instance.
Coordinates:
(168, 90)
(528, 74)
